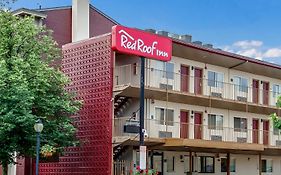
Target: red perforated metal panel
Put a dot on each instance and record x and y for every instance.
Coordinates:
(89, 66)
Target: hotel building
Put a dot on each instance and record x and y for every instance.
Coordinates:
(206, 111)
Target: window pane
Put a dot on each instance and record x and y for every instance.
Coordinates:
(170, 70)
(219, 80)
(160, 115)
(263, 166)
(237, 122)
(244, 85)
(244, 123)
(202, 164)
(223, 164)
(170, 117)
(211, 121)
(269, 166)
(209, 164)
(211, 78)
(232, 165)
(219, 122)
(276, 131)
(276, 90)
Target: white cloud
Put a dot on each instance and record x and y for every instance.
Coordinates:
(273, 53)
(253, 49)
(246, 44)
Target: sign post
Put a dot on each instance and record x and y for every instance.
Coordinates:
(146, 45)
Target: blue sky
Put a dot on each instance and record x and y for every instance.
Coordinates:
(247, 27)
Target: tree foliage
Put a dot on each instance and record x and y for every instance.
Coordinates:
(31, 89)
(274, 117)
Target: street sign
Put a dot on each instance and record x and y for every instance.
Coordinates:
(142, 157)
(141, 43)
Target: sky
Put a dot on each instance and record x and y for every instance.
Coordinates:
(247, 27)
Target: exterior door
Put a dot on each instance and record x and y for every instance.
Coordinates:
(197, 125)
(184, 78)
(157, 162)
(265, 132)
(198, 82)
(265, 92)
(256, 131)
(256, 91)
(184, 124)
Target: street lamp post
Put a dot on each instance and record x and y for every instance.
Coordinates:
(38, 127)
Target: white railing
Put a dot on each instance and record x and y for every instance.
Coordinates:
(129, 75)
(125, 126)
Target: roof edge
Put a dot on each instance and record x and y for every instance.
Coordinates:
(228, 54)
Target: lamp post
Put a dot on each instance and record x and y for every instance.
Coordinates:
(38, 127)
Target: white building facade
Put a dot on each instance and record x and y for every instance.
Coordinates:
(206, 112)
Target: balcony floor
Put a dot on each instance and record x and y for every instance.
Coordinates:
(195, 99)
(196, 145)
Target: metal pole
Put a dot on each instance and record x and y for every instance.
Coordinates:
(142, 76)
(37, 152)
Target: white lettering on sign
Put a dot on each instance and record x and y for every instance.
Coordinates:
(128, 42)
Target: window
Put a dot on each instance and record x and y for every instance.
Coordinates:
(165, 117)
(170, 164)
(215, 121)
(215, 79)
(166, 69)
(266, 166)
(276, 131)
(240, 124)
(276, 90)
(240, 84)
(206, 164)
(224, 165)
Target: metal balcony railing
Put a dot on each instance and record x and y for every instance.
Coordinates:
(129, 75)
(125, 126)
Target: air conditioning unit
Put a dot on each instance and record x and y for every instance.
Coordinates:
(166, 86)
(216, 138)
(132, 126)
(241, 139)
(243, 99)
(216, 94)
(164, 134)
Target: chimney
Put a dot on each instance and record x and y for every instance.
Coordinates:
(80, 20)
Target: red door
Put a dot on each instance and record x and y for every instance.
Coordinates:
(198, 75)
(265, 92)
(184, 78)
(184, 124)
(256, 131)
(255, 91)
(265, 132)
(198, 125)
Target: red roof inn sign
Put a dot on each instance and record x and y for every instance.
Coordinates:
(141, 43)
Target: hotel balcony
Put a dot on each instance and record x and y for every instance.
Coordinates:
(178, 136)
(179, 88)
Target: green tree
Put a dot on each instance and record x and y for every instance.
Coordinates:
(31, 89)
(274, 117)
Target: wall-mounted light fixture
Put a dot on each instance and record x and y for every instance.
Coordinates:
(192, 67)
